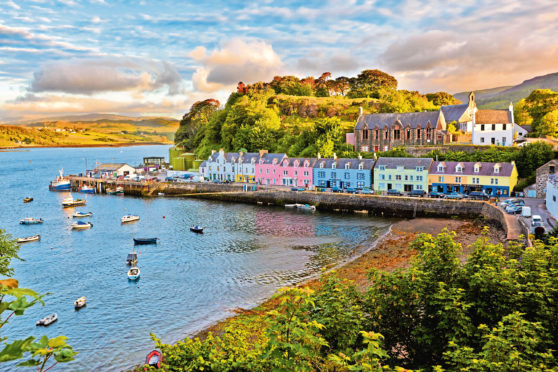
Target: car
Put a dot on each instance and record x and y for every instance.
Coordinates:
(365, 191)
(350, 190)
(435, 194)
(536, 219)
(478, 195)
(507, 202)
(417, 193)
(335, 189)
(514, 209)
(394, 192)
(454, 195)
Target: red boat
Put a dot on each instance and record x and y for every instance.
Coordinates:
(154, 359)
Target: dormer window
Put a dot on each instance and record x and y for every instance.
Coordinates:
(459, 168)
(285, 163)
(496, 169)
(477, 169)
(361, 166)
(333, 166)
(322, 164)
(296, 164)
(440, 168)
(306, 164)
(347, 166)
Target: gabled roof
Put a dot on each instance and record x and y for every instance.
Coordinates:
(291, 161)
(493, 117)
(486, 168)
(340, 163)
(110, 166)
(413, 119)
(248, 156)
(406, 163)
(454, 112)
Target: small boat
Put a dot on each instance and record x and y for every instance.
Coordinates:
(61, 183)
(291, 205)
(161, 193)
(129, 218)
(197, 229)
(80, 302)
(82, 214)
(28, 199)
(306, 207)
(30, 221)
(154, 359)
(71, 202)
(80, 225)
(132, 259)
(145, 241)
(47, 320)
(134, 273)
(29, 239)
(117, 191)
(87, 189)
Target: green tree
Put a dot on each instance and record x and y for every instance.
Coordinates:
(369, 83)
(442, 99)
(8, 250)
(199, 116)
(548, 125)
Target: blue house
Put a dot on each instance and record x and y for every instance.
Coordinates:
(343, 173)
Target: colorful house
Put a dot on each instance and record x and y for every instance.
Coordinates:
(343, 173)
(297, 172)
(401, 174)
(244, 166)
(495, 179)
(268, 168)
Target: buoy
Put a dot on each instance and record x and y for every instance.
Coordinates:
(163, 216)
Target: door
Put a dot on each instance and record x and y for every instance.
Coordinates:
(328, 184)
(389, 186)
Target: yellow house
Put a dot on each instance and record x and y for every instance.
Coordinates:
(495, 179)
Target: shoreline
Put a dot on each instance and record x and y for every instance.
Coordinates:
(109, 144)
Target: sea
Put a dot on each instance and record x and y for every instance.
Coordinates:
(188, 281)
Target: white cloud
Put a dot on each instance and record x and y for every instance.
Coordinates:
(13, 5)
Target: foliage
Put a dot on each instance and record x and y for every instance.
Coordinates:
(442, 99)
(198, 116)
(371, 83)
(8, 250)
(538, 110)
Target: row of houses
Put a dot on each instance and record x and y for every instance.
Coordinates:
(383, 174)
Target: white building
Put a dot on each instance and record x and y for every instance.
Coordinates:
(552, 196)
(230, 166)
(114, 170)
(496, 127)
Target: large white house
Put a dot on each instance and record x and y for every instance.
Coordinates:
(230, 166)
(114, 170)
(496, 127)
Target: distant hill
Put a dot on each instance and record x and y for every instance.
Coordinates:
(500, 97)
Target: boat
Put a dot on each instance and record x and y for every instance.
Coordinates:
(154, 359)
(197, 229)
(82, 214)
(117, 191)
(87, 189)
(129, 218)
(132, 259)
(71, 202)
(134, 273)
(80, 225)
(28, 199)
(80, 302)
(47, 320)
(61, 183)
(306, 207)
(30, 221)
(291, 205)
(145, 241)
(29, 239)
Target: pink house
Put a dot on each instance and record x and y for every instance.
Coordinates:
(297, 172)
(268, 169)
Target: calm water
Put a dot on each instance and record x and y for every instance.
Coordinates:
(188, 281)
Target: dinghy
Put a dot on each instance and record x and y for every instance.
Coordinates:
(134, 273)
(28, 199)
(306, 207)
(197, 229)
(129, 218)
(291, 205)
(82, 214)
(145, 241)
(30, 221)
(80, 302)
(47, 320)
(80, 225)
(154, 359)
(71, 202)
(29, 239)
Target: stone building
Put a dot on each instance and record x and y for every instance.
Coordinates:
(543, 173)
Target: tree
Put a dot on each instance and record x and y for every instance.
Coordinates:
(532, 156)
(548, 125)
(199, 115)
(369, 83)
(442, 99)
(8, 250)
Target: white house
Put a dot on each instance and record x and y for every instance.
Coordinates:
(114, 170)
(495, 127)
(552, 196)
(219, 166)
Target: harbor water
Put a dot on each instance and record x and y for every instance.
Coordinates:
(188, 281)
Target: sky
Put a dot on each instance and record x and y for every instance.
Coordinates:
(158, 57)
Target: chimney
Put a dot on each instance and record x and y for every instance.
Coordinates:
(510, 107)
(360, 111)
(319, 156)
(334, 156)
(359, 157)
(262, 153)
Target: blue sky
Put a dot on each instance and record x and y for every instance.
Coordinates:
(158, 57)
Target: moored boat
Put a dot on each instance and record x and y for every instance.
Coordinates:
(47, 320)
(80, 302)
(87, 189)
(145, 241)
(129, 218)
(28, 199)
(134, 273)
(118, 191)
(132, 259)
(82, 214)
(154, 359)
(71, 202)
(60, 183)
(80, 225)
(197, 229)
(30, 221)
(306, 207)
(29, 239)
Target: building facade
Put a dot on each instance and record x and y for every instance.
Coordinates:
(114, 170)
(297, 172)
(544, 172)
(343, 173)
(401, 174)
(268, 168)
(551, 196)
(494, 127)
(495, 179)
(244, 167)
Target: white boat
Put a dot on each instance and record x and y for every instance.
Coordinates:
(47, 320)
(29, 239)
(80, 225)
(30, 221)
(80, 302)
(71, 202)
(134, 273)
(291, 205)
(61, 183)
(82, 214)
(87, 189)
(129, 218)
(306, 207)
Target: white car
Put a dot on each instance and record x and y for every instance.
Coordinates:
(536, 219)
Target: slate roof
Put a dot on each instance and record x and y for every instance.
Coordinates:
(486, 169)
(454, 112)
(528, 128)
(248, 156)
(268, 157)
(407, 163)
(493, 117)
(341, 162)
(291, 161)
(414, 119)
(203, 164)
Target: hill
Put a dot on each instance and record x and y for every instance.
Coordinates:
(502, 96)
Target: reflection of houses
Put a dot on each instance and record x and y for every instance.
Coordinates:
(343, 173)
(114, 170)
(401, 174)
(496, 179)
(544, 172)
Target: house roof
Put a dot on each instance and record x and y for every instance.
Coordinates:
(528, 128)
(493, 117)
(553, 162)
(301, 161)
(341, 162)
(110, 166)
(486, 168)
(454, 112)
(203, 164)
(268, 157)
(248, 156)
(406, 163)
(413, 119)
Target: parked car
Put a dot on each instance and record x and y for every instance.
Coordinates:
(514, 209)
(454, 195)
(350, 190)
(507, 202)
(335, 189)
(394, 192)
(478, 195)
(417, 193)
(435, 194)
(526, 211)
(536, 219)
(366, 191)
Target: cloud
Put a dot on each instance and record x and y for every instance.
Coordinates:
(317, 62)
(13, 5)
(90, 76)
(236, 60)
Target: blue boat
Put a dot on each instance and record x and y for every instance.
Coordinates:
(30, 221)
(87, 189)
(60, 183)
(197, 229)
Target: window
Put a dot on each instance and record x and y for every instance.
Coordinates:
(360, 166)
(306, 173)
(496, 169)
(553, 197)
(408, 134)
(285, 173)
(382, 186)
(389, 177)
(419, 169)
(419, 178)
(333, 166)
(321, 174)
(306, 182)
(261, 170)
(428, 133)
(551, 169)
(333, 175)
(322, 164)
(440, 168)
(482, 127)
(411, 178)
(267, 171)
(348, 166)
(458, 179)
(386, 134)
(406, 178)
(495, 181)
(365, 134)
(382, 176)
(296, 173)
(440, 178)
(377, 134)
(398, 177)
(482, 139)
(273, 171)
(347, 175)
(396, 134)
(360, 176)
(418, 133)
(418, 187)
(364, 148)
(504, 126)
(348, 184)
(493, 126)
(459, 169)
(322, 183)
(383, 168)
(360, 185)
